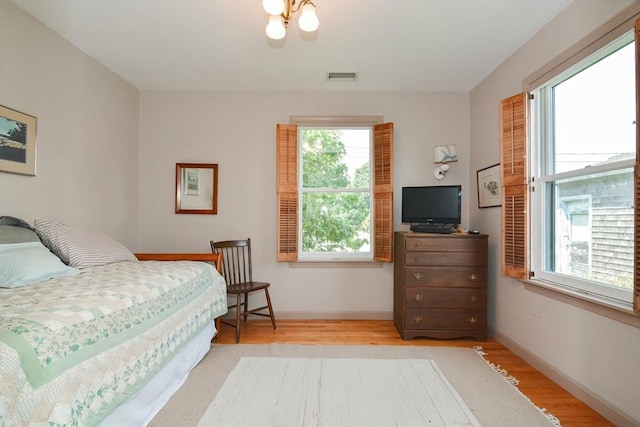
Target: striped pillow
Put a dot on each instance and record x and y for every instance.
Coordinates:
(79, 247)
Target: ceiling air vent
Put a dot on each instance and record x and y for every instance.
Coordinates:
(342, 77)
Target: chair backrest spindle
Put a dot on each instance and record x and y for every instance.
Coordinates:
(236, 257)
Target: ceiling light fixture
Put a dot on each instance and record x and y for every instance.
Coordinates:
(280, 12)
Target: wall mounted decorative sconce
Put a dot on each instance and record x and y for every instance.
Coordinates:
(443, 154)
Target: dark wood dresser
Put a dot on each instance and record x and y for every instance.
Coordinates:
(440, 285)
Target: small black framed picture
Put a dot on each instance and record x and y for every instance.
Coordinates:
(489, 187)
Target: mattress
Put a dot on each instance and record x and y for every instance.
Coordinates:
(74, 348)
(142, 406)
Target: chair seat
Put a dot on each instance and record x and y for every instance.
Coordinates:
(240, 288)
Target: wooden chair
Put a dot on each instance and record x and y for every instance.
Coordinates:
(237, 271)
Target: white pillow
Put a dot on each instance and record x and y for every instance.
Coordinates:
(80, 247)
(25, 263)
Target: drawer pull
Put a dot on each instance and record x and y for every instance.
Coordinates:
(417, 319)
(473, 320)
(473, 277)
(473, 299)
(418, 276)
(417, 298)
(416, 259)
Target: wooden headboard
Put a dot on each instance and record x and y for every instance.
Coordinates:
(215, 259)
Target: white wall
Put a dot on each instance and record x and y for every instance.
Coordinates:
(597, 354)
(237, 131)
(87, 131)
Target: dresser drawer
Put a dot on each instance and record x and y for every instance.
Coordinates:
(460, 276)
(446, 244)
(445, 298)
(446, 319)
(446, 258)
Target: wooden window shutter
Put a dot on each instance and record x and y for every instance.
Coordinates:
(636, 186)
(287, 189)
(383, 192)
(515, 189)
(513, 138)
(514, 232)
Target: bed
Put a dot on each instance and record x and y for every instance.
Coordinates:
(98, 343)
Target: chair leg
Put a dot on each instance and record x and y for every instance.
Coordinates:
(218, 323)
(246, 306)
(273, 318)
(238, 311)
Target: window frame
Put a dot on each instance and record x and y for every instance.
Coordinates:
(607, 33)
(541, 167)
(334, 256)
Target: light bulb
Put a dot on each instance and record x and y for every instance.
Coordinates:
(273, 7)
(308, 19)
(439, 172)
(275, 28)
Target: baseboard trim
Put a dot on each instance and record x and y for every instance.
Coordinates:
(334, 315)
(597, 403)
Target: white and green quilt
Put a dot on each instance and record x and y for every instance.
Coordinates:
(74, 348)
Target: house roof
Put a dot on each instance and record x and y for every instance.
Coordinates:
(393, 45)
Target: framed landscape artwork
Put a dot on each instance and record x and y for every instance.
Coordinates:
(17, 142)
(192, 179)
(489, 187)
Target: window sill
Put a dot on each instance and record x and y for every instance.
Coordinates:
(335, 264)
(622, 312)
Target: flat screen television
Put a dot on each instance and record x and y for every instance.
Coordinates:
(432, 204)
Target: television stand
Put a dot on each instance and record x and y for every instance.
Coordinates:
(433, 228)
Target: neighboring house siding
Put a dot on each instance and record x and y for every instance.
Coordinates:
(611, 216)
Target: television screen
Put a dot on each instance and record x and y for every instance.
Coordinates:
(432, 205)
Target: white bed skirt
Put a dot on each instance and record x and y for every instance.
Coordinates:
(143, 405)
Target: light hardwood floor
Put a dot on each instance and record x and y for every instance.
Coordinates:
(543, 392)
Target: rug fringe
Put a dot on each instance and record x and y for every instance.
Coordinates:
(514, 382)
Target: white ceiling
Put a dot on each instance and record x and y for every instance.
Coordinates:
(394, 45)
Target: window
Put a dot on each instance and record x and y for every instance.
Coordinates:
(584, 149)
(578, 153)
(335, 191)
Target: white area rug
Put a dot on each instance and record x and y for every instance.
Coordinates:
(487, 391)
(276, 392)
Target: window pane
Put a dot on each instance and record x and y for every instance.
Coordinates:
(336, 222)
(594, 114)
(336, 191)
(335, 158)
(593, 227)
